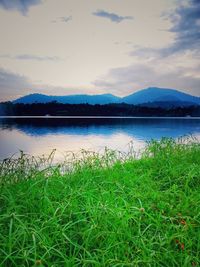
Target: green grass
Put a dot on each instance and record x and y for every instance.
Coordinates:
(105, 212)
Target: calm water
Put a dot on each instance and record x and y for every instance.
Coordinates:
(39, 136)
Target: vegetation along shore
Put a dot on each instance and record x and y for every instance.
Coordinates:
(108, 210)
(169, 109)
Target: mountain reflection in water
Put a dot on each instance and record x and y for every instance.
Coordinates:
(41, 135)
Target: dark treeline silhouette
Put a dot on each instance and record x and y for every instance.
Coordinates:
(58, 109)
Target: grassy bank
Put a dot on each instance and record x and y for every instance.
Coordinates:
(142, 212)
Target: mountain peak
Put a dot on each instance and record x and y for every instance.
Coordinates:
(154, 94)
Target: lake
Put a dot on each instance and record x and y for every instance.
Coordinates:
(37, 136)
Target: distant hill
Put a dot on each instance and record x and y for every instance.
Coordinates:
(159, 96)
(154, 94)
(68, 99)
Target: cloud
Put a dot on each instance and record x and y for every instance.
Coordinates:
(186, 28)
(111, 16)
(65, 19)
(134, 77)
(13, 85)
(20, 5)
(30, 57)
(35, 57)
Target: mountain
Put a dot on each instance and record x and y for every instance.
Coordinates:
(68, 99)
(160, 96)
(34, 98)
(154, 94)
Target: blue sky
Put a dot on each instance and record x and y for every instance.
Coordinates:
(98, 46)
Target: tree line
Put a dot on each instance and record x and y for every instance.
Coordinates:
(58, 109)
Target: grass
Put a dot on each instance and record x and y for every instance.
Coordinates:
(105, 211)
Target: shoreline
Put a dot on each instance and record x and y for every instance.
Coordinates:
(96, 117)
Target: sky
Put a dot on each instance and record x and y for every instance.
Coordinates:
(62, 47)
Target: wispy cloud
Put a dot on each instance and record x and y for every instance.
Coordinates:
(21, 5)
(111, 16)
(65, 19)
(30, 57)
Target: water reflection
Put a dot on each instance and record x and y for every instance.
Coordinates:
(41, 135)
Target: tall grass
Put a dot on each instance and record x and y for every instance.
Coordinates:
(108, 210)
